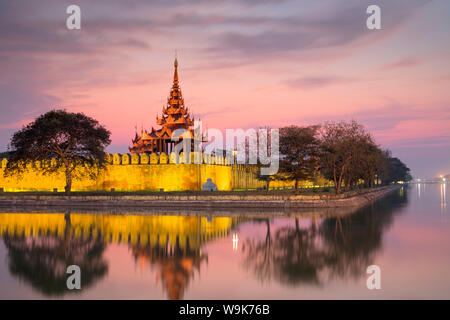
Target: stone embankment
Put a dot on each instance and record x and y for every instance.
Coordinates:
(201, 200)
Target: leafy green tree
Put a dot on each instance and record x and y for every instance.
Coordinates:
(74, 140)
(299, 152)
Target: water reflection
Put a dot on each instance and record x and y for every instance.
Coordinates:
(176, 253)
(39, 253)
(289, 255)
(41, 246)
(419, 185)
(175, 266)
(342, 246)
(310, 248)
(443, 189)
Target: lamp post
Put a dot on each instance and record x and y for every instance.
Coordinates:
(234, 167)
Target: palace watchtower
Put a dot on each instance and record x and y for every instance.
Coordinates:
(175, 115)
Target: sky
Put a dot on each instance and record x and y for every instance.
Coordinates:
(242, 64)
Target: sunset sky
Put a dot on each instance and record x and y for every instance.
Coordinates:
(243, 63)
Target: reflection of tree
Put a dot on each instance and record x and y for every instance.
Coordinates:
(353, 241)
(289, 256)
(42, 261)
(298, 259)
(176, 265)
(260, 253)
(339, 247)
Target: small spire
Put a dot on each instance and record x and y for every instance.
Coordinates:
(175, 64)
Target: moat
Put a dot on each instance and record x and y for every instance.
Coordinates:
(309, 254)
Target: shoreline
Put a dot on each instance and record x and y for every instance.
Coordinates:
(200, 201)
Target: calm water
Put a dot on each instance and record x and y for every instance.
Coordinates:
(219, 255)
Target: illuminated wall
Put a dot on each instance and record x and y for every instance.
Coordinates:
(142, 173)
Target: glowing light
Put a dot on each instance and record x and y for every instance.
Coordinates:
(235, 241)
(443, 196)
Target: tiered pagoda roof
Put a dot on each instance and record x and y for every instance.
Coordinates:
(175, 115)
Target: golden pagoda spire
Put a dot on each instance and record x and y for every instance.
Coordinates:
(175, 115)
(175, 75)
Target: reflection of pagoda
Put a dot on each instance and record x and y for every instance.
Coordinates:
(174, 116)
(176, 265)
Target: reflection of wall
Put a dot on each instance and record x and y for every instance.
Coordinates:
(159, 231)
(170, 243)
(42, 260)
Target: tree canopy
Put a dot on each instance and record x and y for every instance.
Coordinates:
(299, 152)
(395, 171)
(343, 152)
(73, 140)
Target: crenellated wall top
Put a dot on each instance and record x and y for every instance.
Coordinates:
(147, 159)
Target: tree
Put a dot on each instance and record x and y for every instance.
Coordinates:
(267, 179)
(74, 140)
(299, 151)
(252, 146)
(344, 151)
(396, 171)
(5, 155)
(366, 160)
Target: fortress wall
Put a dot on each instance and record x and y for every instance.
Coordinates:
(125, 172)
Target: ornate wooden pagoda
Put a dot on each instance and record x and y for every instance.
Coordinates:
(174, 116)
